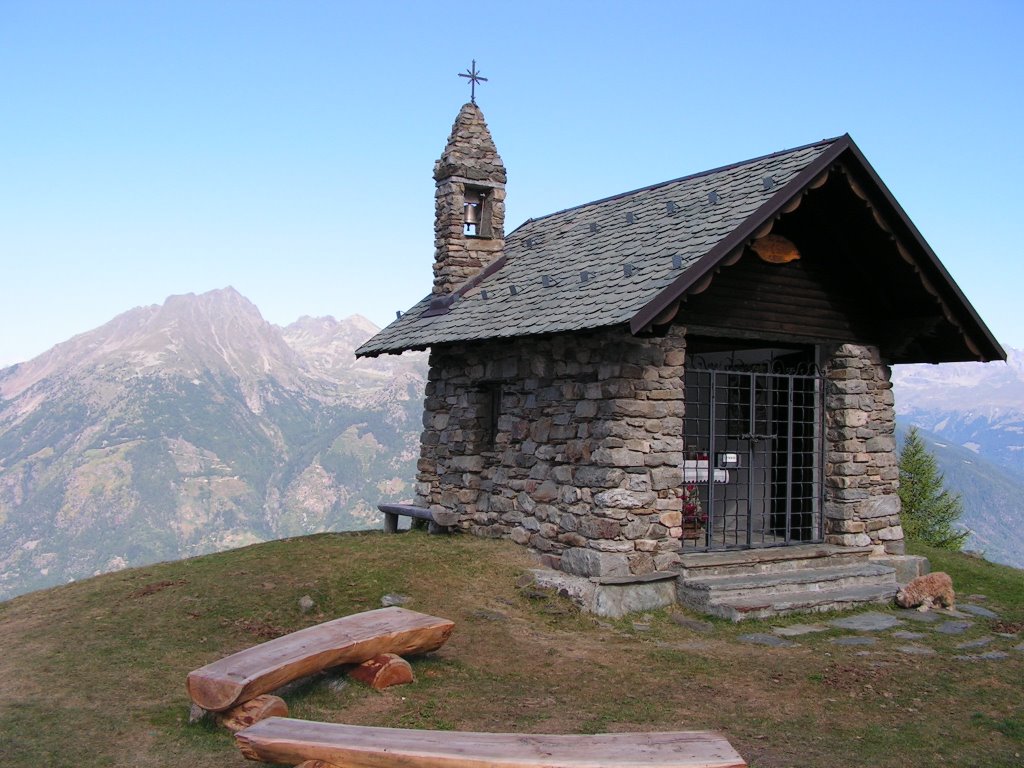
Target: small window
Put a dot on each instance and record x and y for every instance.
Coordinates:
(490, 413)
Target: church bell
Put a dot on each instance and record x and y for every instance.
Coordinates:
(471, 210)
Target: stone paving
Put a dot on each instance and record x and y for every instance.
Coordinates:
(979, 643)
(762, 638)
(904, 635)
(872, 621)
(869, 629)
(799, 629)
(954, 627)
(868, 632)
(978, 610)
(854, 640)
(987, 656)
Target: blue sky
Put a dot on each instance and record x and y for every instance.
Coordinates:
(286, 148)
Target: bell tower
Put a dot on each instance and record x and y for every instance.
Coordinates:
(469, 202)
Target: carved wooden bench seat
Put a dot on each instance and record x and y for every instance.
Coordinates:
(351, 639)
(437, 520)
(333, 745)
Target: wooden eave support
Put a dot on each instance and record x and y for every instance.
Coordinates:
(970, 319)
(914, 263)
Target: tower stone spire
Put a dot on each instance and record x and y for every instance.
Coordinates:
(469, 202)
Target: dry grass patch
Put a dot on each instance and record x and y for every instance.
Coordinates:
(93, 674)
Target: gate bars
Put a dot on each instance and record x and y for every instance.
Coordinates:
(752, 472)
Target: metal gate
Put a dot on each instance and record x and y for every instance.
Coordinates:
(752, 472)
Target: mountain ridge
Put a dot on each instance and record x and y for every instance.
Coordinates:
(171, 335)
(979, 406)
(972, 415)
(192, 426)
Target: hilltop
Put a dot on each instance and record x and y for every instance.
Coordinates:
(93, 673)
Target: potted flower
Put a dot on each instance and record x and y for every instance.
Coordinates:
(694, 516)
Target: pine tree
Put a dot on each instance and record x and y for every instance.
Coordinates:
(929, 510)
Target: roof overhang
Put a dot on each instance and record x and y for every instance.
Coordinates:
(978, 340)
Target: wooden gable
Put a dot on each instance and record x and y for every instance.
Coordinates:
(864, 275)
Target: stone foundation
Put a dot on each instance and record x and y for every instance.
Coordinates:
(613, 598)
(861, 473)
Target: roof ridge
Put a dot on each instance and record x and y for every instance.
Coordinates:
(688, 177)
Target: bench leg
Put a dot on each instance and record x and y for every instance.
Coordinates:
(390, 522)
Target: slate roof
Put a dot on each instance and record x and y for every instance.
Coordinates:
(640, 250)
(658, 231)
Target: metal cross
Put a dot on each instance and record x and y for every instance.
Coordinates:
(474, 77)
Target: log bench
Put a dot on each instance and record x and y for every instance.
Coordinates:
(351, 639)
(293, 742)
(438, 520)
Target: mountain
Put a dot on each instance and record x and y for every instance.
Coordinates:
(972, 417)
(194, 426)
(977, 405)
(991, 497)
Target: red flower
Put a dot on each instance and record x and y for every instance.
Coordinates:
(693, 513)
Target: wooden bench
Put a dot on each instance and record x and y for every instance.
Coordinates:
(349, 640)
(292, 742)
(438, 521)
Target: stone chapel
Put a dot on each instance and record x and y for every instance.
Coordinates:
(682, 382)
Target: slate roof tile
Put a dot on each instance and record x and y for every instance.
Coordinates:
(564, 244)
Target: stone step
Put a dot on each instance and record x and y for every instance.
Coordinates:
(699, 592)
(769, 560)
(811, 601)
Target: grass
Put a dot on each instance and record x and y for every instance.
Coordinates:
(92, 674)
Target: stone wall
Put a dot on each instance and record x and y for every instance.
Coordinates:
(861, 473)
(583, 461)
